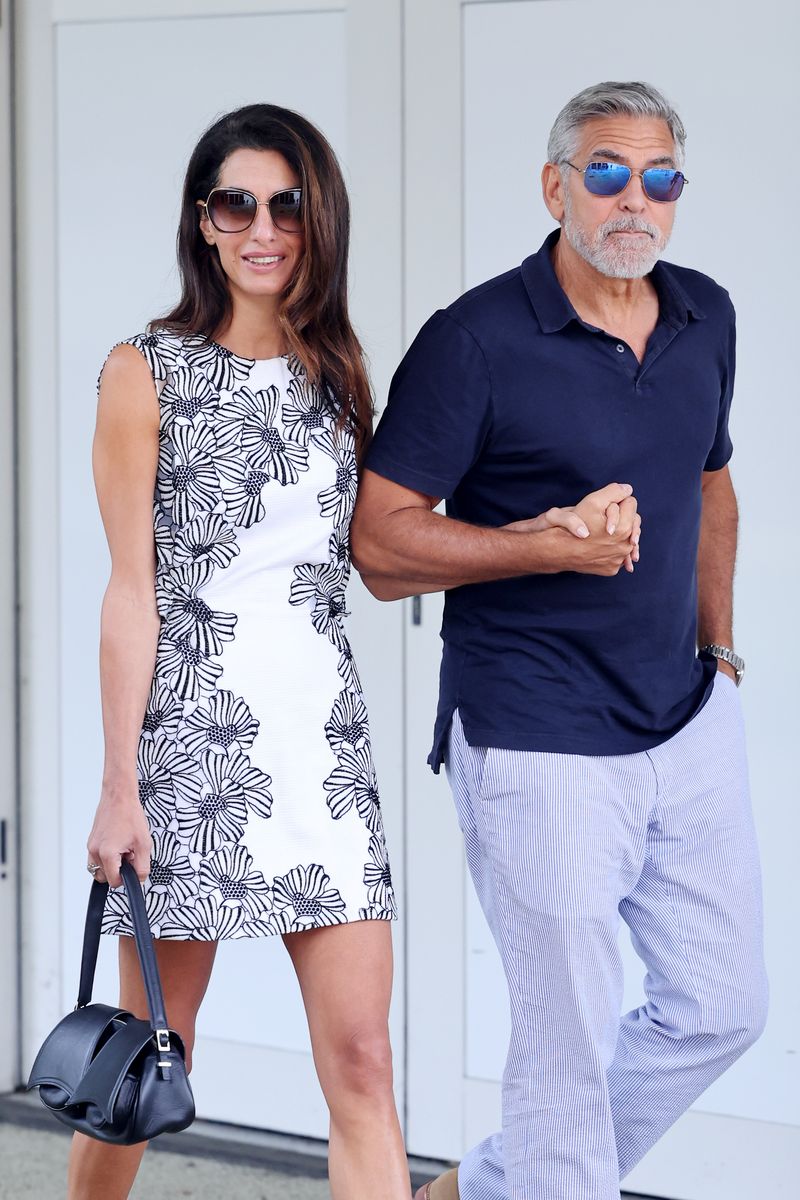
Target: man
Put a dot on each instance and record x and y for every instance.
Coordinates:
(596, 758)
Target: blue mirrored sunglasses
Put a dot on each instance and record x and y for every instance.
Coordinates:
(663, 184)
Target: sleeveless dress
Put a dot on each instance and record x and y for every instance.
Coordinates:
(254, 761)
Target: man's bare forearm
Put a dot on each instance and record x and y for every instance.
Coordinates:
(420, 550)
(716, 560)
(386, 587)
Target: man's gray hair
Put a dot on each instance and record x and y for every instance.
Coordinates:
(610, 100)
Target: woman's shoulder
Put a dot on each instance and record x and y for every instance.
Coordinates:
(159, 348)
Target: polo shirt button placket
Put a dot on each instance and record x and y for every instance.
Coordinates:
(620, 348)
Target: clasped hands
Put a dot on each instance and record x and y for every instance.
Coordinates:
(605, 529)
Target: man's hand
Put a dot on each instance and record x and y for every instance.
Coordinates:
(726, 669)
(611, 511)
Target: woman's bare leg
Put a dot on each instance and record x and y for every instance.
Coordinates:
(345, 975)
(98, 1171)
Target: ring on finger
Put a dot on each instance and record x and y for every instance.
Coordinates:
(93, 868)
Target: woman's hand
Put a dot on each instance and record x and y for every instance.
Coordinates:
(614, 503)
(120, 831)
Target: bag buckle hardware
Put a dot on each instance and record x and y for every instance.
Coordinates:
(162, 1043)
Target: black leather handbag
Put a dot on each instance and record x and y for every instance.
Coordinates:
(103, 1071)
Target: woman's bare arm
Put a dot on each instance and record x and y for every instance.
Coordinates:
(125, 457)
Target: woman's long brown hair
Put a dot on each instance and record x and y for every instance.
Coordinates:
(313, 312)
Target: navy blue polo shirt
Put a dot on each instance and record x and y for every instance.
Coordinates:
(507, 403)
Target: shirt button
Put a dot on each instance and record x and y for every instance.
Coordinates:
(620, 348)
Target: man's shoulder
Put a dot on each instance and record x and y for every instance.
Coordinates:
(479, 309)
(702, 290)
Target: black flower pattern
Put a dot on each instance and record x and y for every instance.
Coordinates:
(243, 498)
(338, 500)
(339, 549)
(348, 670)
(207, 538)
(204, 920)
(267, 447)
(323, 586)
(267, 925)
(187, 479)
(230, 426)
(218, 813)
(165, 775)
(117, 917)
(249, 425)
(348, 724)
(372, 912)
(161, 352)
(305, 415)
(242, 405)
(306, 894)
(253, 782)
(187, 398)
(170, 869)
(183, 667)
(163, 713)
(378, 877)
(189, 617)
(353, 782)
(228, 875)
(221, 366)
(224, 722)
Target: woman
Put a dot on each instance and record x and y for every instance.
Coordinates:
(238, 774)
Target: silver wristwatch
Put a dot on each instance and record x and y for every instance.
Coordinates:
(727, 655)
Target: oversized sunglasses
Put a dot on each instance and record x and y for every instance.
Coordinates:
(663, 184)
(232, 210)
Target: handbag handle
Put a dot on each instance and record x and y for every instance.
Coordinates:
(144, 946)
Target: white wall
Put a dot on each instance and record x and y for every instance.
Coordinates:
(117, 213)
(481, 82)
(100, 179)
(484, 81)
(733, 77)
(8, 717)
(733, 223)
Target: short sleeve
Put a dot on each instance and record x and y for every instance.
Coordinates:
(722, 448)
(438, 413)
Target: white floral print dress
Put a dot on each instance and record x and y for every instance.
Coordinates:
(254, 762)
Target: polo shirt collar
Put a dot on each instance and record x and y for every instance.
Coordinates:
(554, 310)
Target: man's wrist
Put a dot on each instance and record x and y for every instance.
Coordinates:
(550, 551)
(727, 657)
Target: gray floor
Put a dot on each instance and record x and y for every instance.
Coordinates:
(34, 1167)
(208, 1162)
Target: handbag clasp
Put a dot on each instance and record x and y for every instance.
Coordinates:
(162, 1041)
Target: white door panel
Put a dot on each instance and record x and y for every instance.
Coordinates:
(508, 113)
(132, 98)
(729, 71)
(9, 950)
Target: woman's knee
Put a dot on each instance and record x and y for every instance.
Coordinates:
(362, 1062)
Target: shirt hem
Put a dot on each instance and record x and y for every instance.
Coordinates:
(495, 739)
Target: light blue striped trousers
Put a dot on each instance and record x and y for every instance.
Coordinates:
(560, 847)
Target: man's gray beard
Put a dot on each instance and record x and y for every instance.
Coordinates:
(611, 258)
